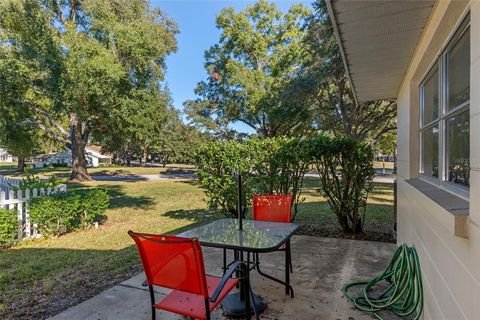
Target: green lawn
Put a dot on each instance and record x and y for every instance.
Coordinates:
(7, 169)
(42, 277)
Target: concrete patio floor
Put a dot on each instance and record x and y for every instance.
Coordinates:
(321, 267)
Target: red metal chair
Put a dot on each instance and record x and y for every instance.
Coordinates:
(177, 263)
(270, 207)
(276, 208)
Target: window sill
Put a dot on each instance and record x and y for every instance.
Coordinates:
(459, 208)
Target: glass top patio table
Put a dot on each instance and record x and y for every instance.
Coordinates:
(256, 236)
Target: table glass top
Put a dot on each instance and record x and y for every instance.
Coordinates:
(256, 235)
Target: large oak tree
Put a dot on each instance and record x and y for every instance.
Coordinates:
(90, 58)
(250, 70)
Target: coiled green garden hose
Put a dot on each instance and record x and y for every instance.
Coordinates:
(404, 290)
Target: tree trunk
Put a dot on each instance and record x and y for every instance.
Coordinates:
(143, 159)
(79, 142)
(21, 164)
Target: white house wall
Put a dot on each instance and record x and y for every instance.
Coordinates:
(450, 264)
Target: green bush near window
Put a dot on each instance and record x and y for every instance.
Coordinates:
(8, 226)
(64, 212)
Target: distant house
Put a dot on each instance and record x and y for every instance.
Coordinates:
(95, 158)
(6, 157)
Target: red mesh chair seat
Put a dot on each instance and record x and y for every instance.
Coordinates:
(193, 305)
(177, 263)
(270, 207)
(276, 208)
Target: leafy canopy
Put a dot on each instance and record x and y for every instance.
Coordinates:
(86, 59)
(250, 72)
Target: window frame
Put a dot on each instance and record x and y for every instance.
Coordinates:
(441, 65)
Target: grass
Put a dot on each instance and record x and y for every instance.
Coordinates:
(7, 169)
(315, 209)
(42, 277)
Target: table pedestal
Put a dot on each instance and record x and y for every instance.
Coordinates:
(235, 307)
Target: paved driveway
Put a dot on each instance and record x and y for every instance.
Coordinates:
(321, 267)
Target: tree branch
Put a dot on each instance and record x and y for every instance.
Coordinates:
(50, 120)
(58, 11)
(55, 135)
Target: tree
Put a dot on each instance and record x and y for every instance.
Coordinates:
(17, 134)
(90, 58)
(250, 71)
(323, 78)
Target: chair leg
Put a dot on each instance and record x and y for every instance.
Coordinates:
(207, 309)
(287, 269)
(152, 300)
(290, 257)
(224, 260)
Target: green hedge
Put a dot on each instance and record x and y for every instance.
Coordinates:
(278, 165)
(217, 163)
(268, 166)
(67, 211)
(8, 226)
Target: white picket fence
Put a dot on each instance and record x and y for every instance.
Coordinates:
(19, 201)
(6, 183)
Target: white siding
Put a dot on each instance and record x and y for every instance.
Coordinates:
(450, 264)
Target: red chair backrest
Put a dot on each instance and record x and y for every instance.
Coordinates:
(172, 262)
(269, 207)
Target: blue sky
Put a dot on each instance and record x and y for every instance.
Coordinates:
(196, 21)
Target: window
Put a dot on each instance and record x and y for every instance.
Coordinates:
(445, 116)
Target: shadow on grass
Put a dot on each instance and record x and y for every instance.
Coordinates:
(197, 216)
(192, 182)
(179, 170)
(118, 197)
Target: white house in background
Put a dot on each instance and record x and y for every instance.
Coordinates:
(426, 55)
(6, 157)
(92, 153)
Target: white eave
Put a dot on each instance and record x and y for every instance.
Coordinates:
(377, 40)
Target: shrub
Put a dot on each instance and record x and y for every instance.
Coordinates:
(346, 171)
(93, 203)
(268, 165)
(55, 214)
(8, 226)
(64, 212)
(279, 166)
(217, 165)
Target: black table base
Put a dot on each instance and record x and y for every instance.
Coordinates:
(234, 305)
